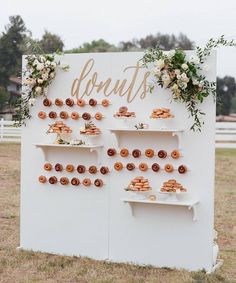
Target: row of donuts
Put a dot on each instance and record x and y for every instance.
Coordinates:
(71, 102)
(136, 153)
(169, 168)
(80, 168)
(73, 115)
(74, 181)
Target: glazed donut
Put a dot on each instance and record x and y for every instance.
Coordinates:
(143, 167)
(105, 102)
(104, 170)
(64, 181)
(182, 169)
(162, 154)
(118, 166)
(175, 154)
(149, 152)
(69, 102)
(81, 102)
(63, 115)
(52, 180)
(47, 102)
(58, 102)
(98, 182)
(111, 151)
(92, 102)
(42, 179)
(47, 166)
(169, 168)
(75, 181)
(155, 167)
(70, 168)
(86, 116)
(81, 169)
(93, 169)
(58, 167)
(98, 116)
(123, 109)
(130, 166)
(42, 115)
(86, 182)
(136, 153)
(124, 152)
(52, 115)
(74, 115)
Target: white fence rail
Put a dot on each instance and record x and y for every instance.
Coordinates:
(225, 133)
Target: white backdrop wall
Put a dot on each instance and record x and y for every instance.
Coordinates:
(96, 222)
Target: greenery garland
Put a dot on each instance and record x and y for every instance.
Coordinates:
(172, 70)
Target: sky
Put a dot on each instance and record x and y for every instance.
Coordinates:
(79, 21)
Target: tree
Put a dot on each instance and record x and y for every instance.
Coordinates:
(94, 46)
(11, 50)
(50, 43)
(4, 98)
(226, 90)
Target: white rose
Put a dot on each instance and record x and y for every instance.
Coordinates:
(30, 82)
(201, 84)
(45, 76)
(182, 85)
(53, 64)
(47, 63)
(36, 62)
(184, 78)
(31, 101)
(177, 71)
(42, 59)
(184, 66)
(52, 75)
(195, 82)
(40, 66)
(175, 87)
(40, 81)
(160, 64)
(170, 54)
(38, 90)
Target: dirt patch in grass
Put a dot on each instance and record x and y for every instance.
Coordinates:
(30, 267)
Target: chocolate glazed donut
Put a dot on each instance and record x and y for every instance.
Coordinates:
(69, 102)
(182, 169)
(111, 151)
(75, 181)
(52, 180)
(58, 167)
(86, 116)
(47, 102)
(81, 169)
(136, 153)
(155, 167)
(92, 102)
(93, 169)
(162, 154)
(52, 115)
(104, 170)
(130, 166)
(98, 182)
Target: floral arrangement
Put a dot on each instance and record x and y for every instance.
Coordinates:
(39, 73)
(183, 76)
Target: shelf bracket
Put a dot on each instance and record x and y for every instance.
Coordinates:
(131, 207)
(117, 137)
(179, 136)
(98, 152)
(194, 210)
(44, 151)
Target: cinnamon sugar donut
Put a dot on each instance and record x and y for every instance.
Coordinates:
(75, 181)
(81, 169)
(136, 153)
(81, 102)
(70, 168)
(111, 151)
(169, 168)
(42, 115)
(86, 116)
(47, 166)
(58, 102)
(118, 166)
(69, 102)
(162, 154)
(52, 180)
(155, 167)
(47, 102)
(64, 115)
(58, 167)
(124, 152)
(64, 181)
(182, 169)
(104, 170)
(98, 182)
(93, 169)
(175, 154)
(74, 115)
(42, 179)
(98, 116)
(52, 115)
(143, 167)
(92, 102)
(149, 152)
(105, 102)
(130, 166)
(86, 182)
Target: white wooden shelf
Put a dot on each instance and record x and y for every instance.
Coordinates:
(175, 132)
(91, 148)
(190, 204)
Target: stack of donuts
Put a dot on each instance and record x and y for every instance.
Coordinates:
(139, 184)
(161, 113)
(59, 127)
(90, 129)
(124, 113)
(172, 186)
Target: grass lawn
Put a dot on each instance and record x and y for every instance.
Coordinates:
(36, 267)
